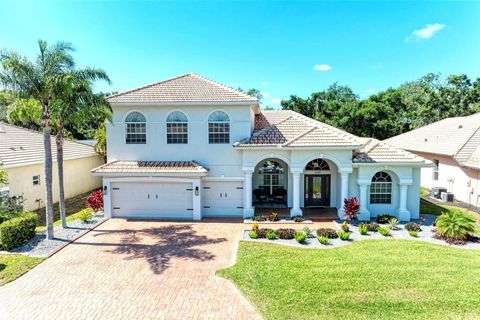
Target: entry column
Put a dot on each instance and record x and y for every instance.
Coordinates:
(296, 211)
(364, 214)
(344, 192)
(403, 212)
(248, 210)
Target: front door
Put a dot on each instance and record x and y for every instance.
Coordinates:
(317, 190)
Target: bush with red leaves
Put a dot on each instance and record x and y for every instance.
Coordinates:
(95, 200)
(351, 207)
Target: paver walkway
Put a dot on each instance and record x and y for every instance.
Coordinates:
(134, 270)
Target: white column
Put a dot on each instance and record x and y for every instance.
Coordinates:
(248, 210)
(197, 199)
(343, 193)
(296, 211)
(107, 199)
(364, 214)
(403, 213)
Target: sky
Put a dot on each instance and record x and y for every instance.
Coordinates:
(279, 47)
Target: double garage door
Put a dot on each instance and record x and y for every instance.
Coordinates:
(174, 200)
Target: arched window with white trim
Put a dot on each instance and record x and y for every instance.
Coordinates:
(135, 128)
(381, 188)
(218, 128)
(177, 128)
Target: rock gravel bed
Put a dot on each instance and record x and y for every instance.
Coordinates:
(400, 233)
(40, 246)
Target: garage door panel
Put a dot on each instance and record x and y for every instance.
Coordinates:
(223, 198)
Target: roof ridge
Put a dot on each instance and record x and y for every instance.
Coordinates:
(299, 136)
(221, 85)
(467, 141)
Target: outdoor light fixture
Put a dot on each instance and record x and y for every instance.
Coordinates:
(196, 190)
(105, 189)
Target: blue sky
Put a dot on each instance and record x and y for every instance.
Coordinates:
(279, 47)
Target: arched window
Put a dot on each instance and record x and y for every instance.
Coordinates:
(177, 128)
(272, 176)
(135, 128)
(317, 165)
(218, 128)
(381, 188)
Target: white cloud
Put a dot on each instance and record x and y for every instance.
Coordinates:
(425, 33)
(276, 101)
(265, 83)
(265, 95)
(370, 91)
(322, 67)
(376, 66)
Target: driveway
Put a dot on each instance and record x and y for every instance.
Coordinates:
(134, 270)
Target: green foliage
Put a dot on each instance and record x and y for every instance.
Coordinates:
(412, 226)
(85, 214)
(25, 113)
(413, 233)
(384, 218)
(343, 235)
(384, 231)
(18, 230)
(300, 236)
(298, 219)
(285, 233)
(14, 265)
(424, 192)
(271, 235)
(363, 229)
(307, 231)
(372, 226)
(456, 224)
(3, 178)
(345, 226)
(393, 222)
(259, 218)
(262, 232)
(253, 235)
(327, 232)
(101, 140)
(323, 240)
(273, 216)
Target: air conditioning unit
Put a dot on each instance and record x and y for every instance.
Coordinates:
(447, 196)
(436, 192)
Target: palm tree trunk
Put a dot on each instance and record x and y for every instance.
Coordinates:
(61, 188)
(48, 168)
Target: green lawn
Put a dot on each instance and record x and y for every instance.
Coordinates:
(13, 266)
(372, 279)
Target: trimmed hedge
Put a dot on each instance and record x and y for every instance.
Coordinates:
(18, 230)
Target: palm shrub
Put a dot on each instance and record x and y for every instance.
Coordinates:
(393, 223)
(456, 224)
(300, 236)
(253, 235)
(345, 226)
(85, 214)
(384, 231)
(323, 240)
(413, 233)
(271, 235)
(363, 229)
(343, 235)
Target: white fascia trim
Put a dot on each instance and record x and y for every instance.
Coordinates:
(147, 175)
(277, 147)
(54, 159)
(184, 103)
(401, 164)
(151, 179)
(223, 179)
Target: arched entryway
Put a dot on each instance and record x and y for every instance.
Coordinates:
(270, 183)
(318, 183)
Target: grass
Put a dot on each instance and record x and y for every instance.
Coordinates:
(371, 279)
(13, 266)
(424, 192)
(427, 207)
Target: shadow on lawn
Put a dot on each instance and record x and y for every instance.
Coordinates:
(159, 245)
(2, 266)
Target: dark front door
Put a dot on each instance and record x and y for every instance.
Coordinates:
(317, 190)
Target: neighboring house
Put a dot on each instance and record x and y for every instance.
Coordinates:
(21, 155)
(453, 145)
(189, 147)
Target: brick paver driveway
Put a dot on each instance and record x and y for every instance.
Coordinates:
(134, 270)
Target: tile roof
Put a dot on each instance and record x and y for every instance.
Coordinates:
(187, 88)
(377, 151)
(150, 167)
(287, 128)
(20, 146)
(458, 137)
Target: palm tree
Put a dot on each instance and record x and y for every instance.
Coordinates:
(77, 103)
(42, 80)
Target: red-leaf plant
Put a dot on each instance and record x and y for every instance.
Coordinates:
(351, 207)
(95, 200)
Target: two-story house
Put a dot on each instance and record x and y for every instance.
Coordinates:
(189, 147)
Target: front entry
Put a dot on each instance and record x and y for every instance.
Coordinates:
(317, 190)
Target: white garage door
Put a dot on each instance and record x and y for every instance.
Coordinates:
(152, 200)
(222, 198)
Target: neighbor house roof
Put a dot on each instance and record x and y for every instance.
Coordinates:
(457, 137)
(187, 88)
(20, 146)
(378, 151)
(150, 167)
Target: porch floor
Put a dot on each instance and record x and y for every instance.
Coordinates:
(314, 214)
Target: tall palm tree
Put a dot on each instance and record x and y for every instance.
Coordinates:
(77, 103)
(42, 80)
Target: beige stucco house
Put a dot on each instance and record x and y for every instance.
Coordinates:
(21, 156)
(453, 146)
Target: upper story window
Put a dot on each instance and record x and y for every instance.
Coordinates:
(218, 128)
(317, 165)
(135, 128)
(177, 127)
(436, 167)
(381, 188)
(36, 180)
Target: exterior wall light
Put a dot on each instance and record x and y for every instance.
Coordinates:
(196, 191)
(105, 190)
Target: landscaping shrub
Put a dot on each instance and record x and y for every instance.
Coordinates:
(298, 219)
(412, 226)
(285, 233)
(363, 229)
(393, 223)
(17, 231)
(327, 232)
(262, 232)
(255, 227)
(343, 235)
(437, 235)
(95, 200)
(300, 236)
(384, 218)
(273, 216)
(323, 240)
(85, 214)
(351, 207)
(345, 226)
(308, 232)
(384, 231)
(456, 224)
(259, 218)
(413, 233)
(253, 235)
(372, 226)
(271, 235)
